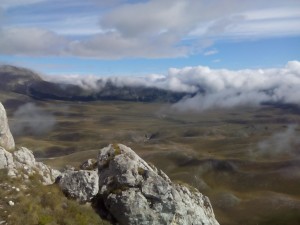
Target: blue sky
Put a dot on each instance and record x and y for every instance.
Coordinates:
(119, 37)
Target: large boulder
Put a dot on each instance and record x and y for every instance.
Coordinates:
(82, 185)
(133, 192)
(6, 139)
(128, 191)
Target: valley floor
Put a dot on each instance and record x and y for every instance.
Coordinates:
(246, 160)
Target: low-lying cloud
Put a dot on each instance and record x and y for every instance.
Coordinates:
(208, 88)
(283, 142)
(227, 88)
(31, 119)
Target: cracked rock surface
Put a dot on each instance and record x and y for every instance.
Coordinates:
(21, 163)
(81, 185)
(135, 193)
(128, 191)
(6, 139)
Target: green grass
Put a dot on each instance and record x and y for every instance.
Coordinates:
(180, 144)
(42, 205)
(291, 217)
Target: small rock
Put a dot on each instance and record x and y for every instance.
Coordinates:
(90, 164)
(69, 167)
(11, 203)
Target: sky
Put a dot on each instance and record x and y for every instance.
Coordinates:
(142, 37)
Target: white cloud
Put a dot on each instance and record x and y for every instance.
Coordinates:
(281, 143)
(150, 29)
(226, 88)
(14, 3)
(273, 13)
(212, 88)
(211, 52)
(30, 118)
(30, 41)
(255, 22)
(113, 45)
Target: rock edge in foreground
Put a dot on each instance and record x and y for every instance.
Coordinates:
(6, 138)
(129, 191)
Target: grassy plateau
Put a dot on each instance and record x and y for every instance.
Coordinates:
(246, 160)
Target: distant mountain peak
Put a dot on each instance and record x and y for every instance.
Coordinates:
(25, 81)
(20, 72)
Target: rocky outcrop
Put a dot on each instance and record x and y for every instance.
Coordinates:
(6, 139)
(133, 192)
(22, 164)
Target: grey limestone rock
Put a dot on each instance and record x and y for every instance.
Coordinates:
(24, 159)
(21, 163)
(90, 164)
(6, 139)
(82, 185)
(134, 192)
(6, 159)
(24, 156)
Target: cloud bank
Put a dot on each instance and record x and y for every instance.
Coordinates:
(208, 88)
(226, 88)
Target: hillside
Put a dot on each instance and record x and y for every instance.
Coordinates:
(29, 83)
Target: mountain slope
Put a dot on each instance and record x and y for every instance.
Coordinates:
(27, 82)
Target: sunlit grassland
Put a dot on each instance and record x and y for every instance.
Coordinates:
(216, 151)
(37, 204)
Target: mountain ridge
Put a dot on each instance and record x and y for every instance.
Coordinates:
(24, 81)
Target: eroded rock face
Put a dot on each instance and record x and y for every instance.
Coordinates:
(82, 185)
(128, 191)
(6, 139)
(134, 192)
(24, 156)
(6, 159)
(21, 163)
